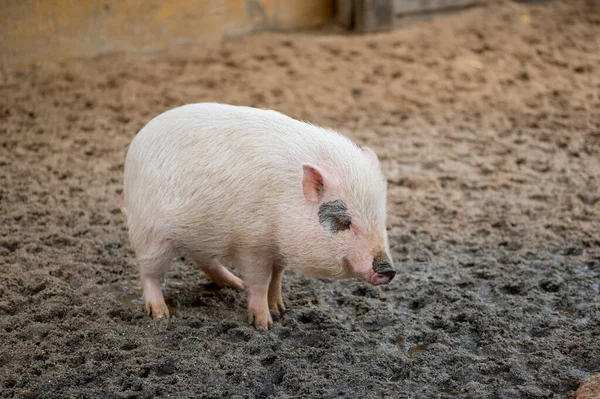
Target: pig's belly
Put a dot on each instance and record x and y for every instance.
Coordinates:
(212, 225)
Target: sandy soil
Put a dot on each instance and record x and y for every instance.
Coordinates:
(488, 126)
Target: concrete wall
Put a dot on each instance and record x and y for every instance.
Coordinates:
(55, 30)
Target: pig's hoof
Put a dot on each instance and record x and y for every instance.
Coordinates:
(277, 307)
(157, 310)
(261, 320)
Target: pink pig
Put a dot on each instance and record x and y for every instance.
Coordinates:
(254, 188)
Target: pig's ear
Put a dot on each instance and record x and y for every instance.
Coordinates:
(370, 155)
(313, 184)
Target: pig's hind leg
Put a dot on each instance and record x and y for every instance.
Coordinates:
(154, 262)
(219, 274)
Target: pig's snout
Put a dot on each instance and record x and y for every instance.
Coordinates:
(387, 271)
(383, 270)
(384, 273)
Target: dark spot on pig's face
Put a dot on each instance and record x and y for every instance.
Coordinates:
(333, 216)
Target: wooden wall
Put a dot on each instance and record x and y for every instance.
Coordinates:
(55, 30)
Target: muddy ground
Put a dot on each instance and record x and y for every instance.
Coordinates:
(488, 126)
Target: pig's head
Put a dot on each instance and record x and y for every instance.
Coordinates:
(348, 221)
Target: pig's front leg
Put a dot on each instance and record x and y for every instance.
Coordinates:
(257, 276)
(275, 299)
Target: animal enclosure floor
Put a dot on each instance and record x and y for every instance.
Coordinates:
(487, 123)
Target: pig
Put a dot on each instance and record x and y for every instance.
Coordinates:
(256, 190)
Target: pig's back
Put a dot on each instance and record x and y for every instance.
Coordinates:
(221, 144)
(216, 172)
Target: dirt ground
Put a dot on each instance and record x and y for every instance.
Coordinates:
(488, 126)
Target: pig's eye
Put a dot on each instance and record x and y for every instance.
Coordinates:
(343, 224)
(333, 216)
